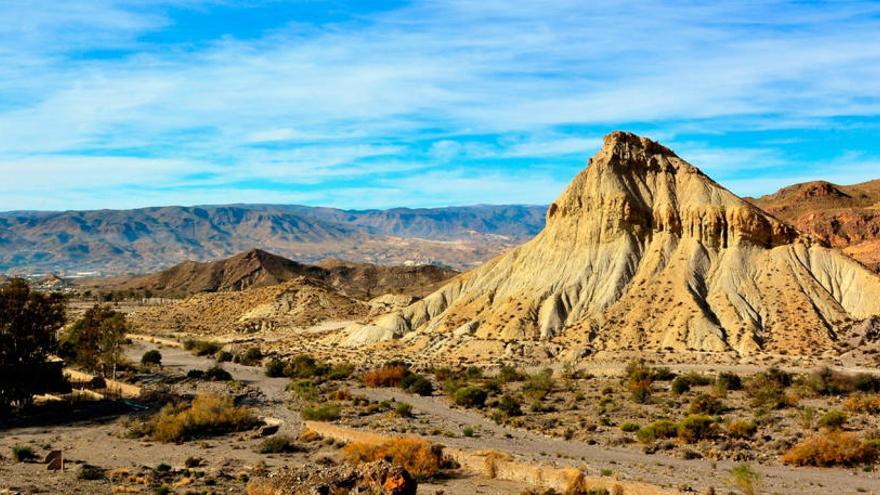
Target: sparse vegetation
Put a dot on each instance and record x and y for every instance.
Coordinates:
(657, 430)
(202, 347)
(208, 415)
(470, 397)
(421, 459)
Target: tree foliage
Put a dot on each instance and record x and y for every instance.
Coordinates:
(29, 321)
(95, 341)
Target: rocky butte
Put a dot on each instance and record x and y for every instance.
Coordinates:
(643, 251)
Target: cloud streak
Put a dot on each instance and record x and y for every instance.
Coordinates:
(419, 96)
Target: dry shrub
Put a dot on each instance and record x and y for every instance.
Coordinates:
(309, 436)
(832, 448)
(124, 489)
(420, 458)
(741, 428)
(386, 376)
(208, 415)
(863, 403)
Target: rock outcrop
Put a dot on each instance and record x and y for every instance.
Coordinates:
(847, 217)
(644, 251)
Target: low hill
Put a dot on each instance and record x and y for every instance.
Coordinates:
(257, 268)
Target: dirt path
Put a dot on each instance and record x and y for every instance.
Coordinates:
(629, 463)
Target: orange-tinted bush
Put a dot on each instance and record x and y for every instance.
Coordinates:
(386, 376)
(833, 448)
(419, 457)
(863, 403)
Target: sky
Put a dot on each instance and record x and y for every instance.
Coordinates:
(362, 104)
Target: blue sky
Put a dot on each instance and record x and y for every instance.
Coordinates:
(358, 104)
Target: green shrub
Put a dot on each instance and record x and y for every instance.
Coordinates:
(275, 368)
(279, 444)
(833, 420)
(539, 385)
(470, 397)
(251, 357)
(509, 406)
(305, 366)
(641, 390)
(23, 453)
(325, 412)
(467, 431)
(730, 381)
(163, 468)
(768, 389)
(680, 385)
(630, 427)
(305, 389)
(341, 371)
(657, 430)
(509, 374)
(473, 373)
(201, 347)
(223, 356)
(90, 473)
(403, 410)
(695, 428)
(417, 384)
(706, 404)
(217, 374)
(152, 357)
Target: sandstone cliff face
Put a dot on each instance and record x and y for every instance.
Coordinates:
(643, 251)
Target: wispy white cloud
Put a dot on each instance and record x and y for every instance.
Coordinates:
(391, 97)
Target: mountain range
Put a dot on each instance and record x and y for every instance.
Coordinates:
(643, 251)
(149, 239)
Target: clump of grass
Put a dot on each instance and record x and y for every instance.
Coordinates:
(630, 427)
(832, 448)
(536, 387)
(324, 412)
(208, 415)
(420, 458)
(470, 397)
(744, 477)
(467, 431)
(279, 444)
(22, 453)
(833, 420)
(403, 410)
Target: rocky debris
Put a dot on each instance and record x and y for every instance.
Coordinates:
(644, 252)
(378, 477)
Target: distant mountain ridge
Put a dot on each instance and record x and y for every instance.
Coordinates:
(149, 239)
